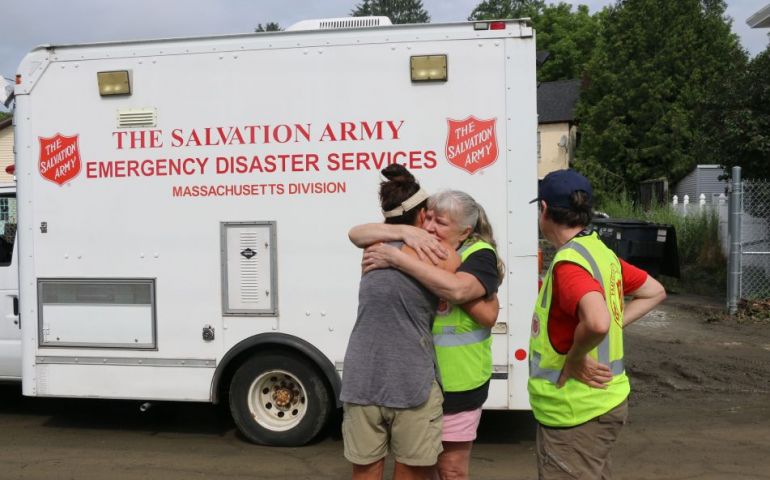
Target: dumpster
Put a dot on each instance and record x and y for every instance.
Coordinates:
(647, 245)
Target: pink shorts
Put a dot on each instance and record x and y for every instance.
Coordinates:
(461, 427)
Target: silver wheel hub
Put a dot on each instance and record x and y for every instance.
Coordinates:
(277, 400)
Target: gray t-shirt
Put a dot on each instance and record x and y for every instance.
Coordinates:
(390, 359)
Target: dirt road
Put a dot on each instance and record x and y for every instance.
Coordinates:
(700, 410)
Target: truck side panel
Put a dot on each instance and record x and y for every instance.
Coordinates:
(294, 137)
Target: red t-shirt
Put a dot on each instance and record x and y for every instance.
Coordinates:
(570, 283)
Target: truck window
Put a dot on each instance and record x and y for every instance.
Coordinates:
(7, 229)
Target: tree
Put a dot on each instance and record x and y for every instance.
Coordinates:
(741, 115)
(569, 37)
(648, 84)
(399, 11)
(499, 9)
(269, 27)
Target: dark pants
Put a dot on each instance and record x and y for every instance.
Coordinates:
(581, 452)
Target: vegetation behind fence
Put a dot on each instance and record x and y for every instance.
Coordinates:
(702, 263)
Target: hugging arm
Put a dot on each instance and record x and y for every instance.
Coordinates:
(423, 243)
(483, 310)
(457, 288)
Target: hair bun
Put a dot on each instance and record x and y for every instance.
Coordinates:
(395, 172)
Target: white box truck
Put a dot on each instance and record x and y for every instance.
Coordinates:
(183, 206)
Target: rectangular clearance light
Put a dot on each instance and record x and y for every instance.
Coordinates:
(429, 68)
(497, 25)
(114, 83)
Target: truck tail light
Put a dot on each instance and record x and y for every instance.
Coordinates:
(489, 25)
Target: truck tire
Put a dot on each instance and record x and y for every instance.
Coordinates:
(279, 399)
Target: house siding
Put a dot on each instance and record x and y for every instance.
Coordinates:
(552, 156)
(6, 153)
(704, 179)
(710, 184)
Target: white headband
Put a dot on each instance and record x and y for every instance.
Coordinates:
(407, 204)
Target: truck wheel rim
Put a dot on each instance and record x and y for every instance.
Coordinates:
(277, 400)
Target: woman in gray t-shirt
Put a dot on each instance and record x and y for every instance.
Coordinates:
(391, 395)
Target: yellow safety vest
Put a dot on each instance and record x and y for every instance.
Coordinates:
(463, 347)
(576, 403)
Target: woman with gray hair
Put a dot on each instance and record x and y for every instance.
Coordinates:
(463, 345)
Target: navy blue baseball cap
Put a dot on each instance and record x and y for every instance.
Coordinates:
(556, 188)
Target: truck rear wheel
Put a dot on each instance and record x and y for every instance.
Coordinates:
(279, 399)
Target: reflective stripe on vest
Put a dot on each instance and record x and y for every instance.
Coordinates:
(552, 375)
(448, 337)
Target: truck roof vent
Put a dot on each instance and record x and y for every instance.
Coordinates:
(335, 23)
(137, 117)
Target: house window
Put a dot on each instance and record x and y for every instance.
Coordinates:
(7, 229)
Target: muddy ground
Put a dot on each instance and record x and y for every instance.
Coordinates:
(700, 410)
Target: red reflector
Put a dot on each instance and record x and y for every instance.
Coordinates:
(10, 169)
(497, 26)
(520, 354)
(18, 79)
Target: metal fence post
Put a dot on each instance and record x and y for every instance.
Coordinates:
(734, 228)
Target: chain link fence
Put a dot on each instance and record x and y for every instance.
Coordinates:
(755, 240)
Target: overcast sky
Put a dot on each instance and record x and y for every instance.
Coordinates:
(28, 23)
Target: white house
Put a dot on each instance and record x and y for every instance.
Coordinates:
(703, 179)
(556, 129)
(6, 148)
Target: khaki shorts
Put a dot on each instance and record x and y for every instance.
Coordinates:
(581, 452)
(370, 432)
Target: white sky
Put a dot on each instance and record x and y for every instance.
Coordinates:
(28, 23)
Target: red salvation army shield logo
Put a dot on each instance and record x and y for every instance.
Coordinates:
(59, 158)
(471, 144)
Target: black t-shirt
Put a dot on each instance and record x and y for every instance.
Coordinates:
(456, 402)
(482, 265)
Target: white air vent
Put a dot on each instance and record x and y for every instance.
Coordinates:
(137, 117)
(248, 268)
(336, 23)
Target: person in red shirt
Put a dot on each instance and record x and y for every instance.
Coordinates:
(578, 385)
(571, 284)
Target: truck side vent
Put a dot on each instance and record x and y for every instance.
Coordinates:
(249, 283)
(249, 269)
(137, 117)
(335, 23)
